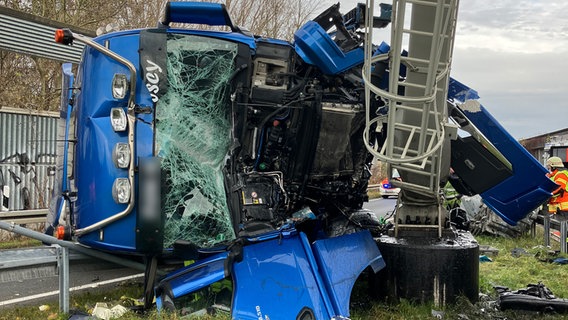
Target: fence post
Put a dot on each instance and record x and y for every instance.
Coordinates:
(63, 271)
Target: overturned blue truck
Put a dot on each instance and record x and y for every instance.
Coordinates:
(247, 157)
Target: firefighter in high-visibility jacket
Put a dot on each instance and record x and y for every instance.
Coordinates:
(558, 204)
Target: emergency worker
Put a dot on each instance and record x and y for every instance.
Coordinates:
(558, 204)
(452, 198)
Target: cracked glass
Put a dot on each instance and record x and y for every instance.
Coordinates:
(193, 138)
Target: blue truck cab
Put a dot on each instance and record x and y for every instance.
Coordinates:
(241, 153)
(210, 146)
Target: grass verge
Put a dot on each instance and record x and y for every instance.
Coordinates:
(19, 242)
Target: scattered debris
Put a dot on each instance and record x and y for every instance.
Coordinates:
(102, 311)
(517, 252)
(52, 316)
(536, 297)
(488, 250)
(131, 302)
(545, 254)
(484, 258)
(44, 307)
(483, 220)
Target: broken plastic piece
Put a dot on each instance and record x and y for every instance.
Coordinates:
(102, 311)
(536, 297)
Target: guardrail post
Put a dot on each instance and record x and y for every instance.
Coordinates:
(546, 222)
(63, 271)
(563, 244)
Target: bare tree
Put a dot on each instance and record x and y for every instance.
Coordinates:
(271, 18)
(31, 82)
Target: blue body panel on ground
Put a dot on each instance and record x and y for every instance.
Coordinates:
(285, 275)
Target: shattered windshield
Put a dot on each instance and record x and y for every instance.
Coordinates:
(192, 138)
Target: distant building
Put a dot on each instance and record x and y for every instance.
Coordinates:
(540, 146)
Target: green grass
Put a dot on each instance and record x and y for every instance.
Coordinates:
(516, 272)
(19, 242)
(505, 270)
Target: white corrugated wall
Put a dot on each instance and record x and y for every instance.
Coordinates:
(27, 156)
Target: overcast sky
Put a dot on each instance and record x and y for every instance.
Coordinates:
(514, 53)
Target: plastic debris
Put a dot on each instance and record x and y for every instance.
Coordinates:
(517, 252)
(484, 258)
(560, 261)
(488, 250)
(102, 311)
(536, 297)
(44, 307)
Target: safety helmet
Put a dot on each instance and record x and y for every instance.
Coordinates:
(555, 162)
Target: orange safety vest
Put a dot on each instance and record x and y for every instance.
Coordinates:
(559, 200)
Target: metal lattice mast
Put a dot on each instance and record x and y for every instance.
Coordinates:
(417, 130)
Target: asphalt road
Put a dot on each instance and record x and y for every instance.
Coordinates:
(381, 207)
(42, 283)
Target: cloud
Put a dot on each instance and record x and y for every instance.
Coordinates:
(525, 26)
(524, 92)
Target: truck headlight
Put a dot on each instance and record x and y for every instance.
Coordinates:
(121, 155)
(119, 86)
(118, 119)
(121, 190)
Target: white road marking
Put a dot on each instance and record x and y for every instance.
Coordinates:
(85, 286)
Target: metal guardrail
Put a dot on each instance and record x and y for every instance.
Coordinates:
(24, 216)
(63, 258)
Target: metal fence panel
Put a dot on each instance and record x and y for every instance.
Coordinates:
(33, 35)
(27, 157)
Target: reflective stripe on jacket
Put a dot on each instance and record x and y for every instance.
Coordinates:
(559, 198)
